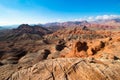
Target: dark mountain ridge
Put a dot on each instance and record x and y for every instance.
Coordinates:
(25, 32)
(36, 29)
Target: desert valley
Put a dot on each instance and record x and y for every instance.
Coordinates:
(74, 50)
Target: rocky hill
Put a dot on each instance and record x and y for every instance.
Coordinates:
(25, 32)
(25, 28)
(79, 33)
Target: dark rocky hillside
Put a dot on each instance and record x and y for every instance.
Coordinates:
(25, 32)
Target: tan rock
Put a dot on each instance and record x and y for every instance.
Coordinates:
(70, 69)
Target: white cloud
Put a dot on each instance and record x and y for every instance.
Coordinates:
(59, 20)
(105, 17)
(91, 18)
(99, 17)
(79, 19)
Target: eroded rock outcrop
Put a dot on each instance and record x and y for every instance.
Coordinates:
(85, 49)
(71, 69)
(78, 50)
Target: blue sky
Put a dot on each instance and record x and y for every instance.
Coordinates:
(43, 11)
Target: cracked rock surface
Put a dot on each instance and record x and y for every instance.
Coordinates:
(70, 69)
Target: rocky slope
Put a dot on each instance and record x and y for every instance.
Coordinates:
(36, 29)
(79, 33)
(70, 69)
(25, 32)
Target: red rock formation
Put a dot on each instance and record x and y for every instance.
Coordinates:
(78, 50)
(86, 49)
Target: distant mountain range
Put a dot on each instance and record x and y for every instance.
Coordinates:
(59, 25)
(8, 27)
(98, 24)
(67, 24)
(108, 22)
(2, 28)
